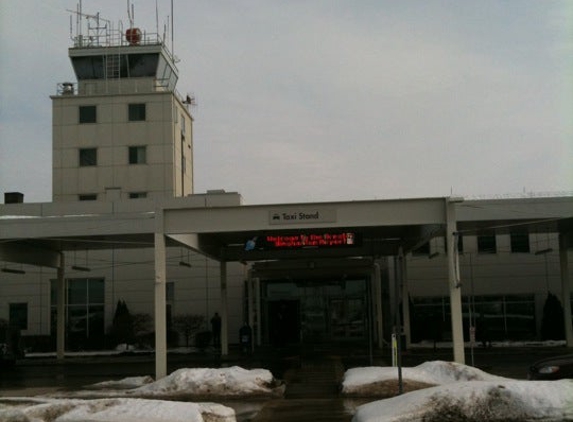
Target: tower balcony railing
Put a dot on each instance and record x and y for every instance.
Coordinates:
(135, 85)
(116, 38)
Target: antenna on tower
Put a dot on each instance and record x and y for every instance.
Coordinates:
(97, 28)
(156, 18)
(130, 14)
(172, 44)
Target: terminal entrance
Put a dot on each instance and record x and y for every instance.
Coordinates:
(314, 311)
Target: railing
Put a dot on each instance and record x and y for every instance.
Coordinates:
(115, 38)
(71, 88)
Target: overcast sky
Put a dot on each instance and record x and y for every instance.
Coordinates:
(320, 100)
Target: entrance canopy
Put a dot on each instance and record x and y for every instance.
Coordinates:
(37, 234)
(318, 230)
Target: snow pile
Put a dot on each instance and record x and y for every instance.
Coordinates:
(114, 410)
(476, 401)
(123, 384)
(383, 381)
(188, 384)
(213, 382)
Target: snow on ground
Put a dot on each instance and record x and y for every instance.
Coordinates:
(476, 401)
(223, 382)
(112, 410)
(190, 383)
(449, 392)
(130, 398)
(382, 381)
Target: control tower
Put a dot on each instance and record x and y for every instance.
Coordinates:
(122, 131)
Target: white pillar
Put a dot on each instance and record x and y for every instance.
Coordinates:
(454, 282)
(565, 289)
(377, 292)
(160, 307)
(61, 310)
(224, 310)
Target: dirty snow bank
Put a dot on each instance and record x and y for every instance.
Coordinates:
(189, 383)
(112, 410)
(476, 401)
(382, 381)
(216, 382)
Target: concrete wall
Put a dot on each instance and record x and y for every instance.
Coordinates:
(167, 123)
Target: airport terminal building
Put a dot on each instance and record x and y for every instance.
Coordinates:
(125, 225)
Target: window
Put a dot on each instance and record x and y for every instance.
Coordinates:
(88, 157)
(84, 312)
(170, 291)
(519, 242)
(88, 114)
(137, 155)
(87, 197)
(183, 161)
(19, 315)
(136, 112)
(487, 243)
(135, 195)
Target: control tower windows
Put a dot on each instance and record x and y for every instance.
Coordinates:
(136, 112)
(88, 157)
(137, 155)
(88, 114)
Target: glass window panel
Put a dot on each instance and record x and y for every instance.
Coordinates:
(96, 290)
(519, 242)
(88, 114)
(19, 315)
(170, 291)
(136, 112)
(96, 320)
(88, 157)
(77, 292)
(137, 155)
(487, 243)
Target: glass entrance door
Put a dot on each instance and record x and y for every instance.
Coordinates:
(314, 311)
(347, 318)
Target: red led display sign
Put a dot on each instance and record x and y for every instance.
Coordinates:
(302, 240)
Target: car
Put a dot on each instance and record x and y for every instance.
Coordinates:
(553, 368)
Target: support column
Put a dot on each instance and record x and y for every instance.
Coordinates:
(160, 307)
(565, 289)
(61, 309)
(377, 292)
(224, 310)
(454, 282)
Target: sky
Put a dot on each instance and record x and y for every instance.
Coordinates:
(458, 389)
(327, 100)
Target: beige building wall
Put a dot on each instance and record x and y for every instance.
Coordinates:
(166, 135)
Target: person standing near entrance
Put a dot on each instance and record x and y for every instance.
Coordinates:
(216, 329)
